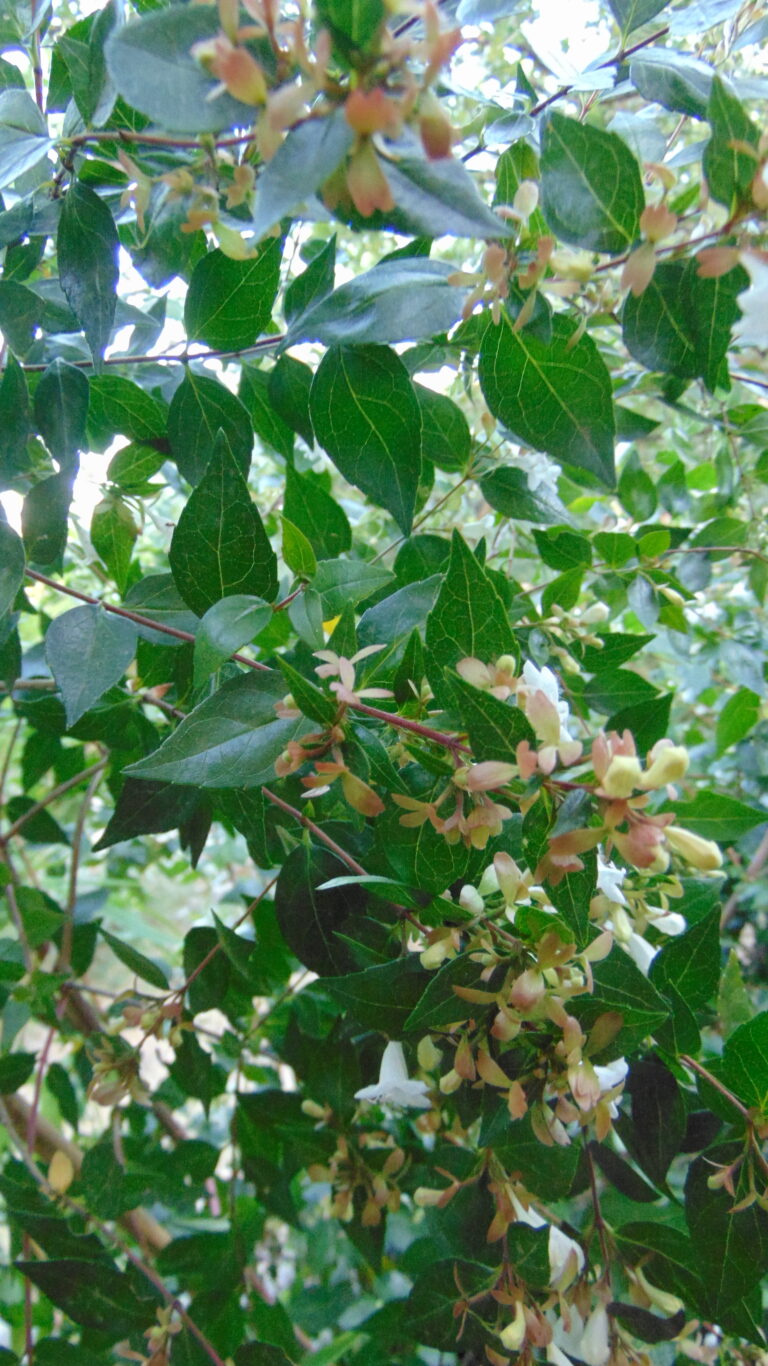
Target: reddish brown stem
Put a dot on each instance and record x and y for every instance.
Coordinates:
(316, 831)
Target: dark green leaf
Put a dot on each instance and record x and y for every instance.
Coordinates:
(87, 245)
(230, 740)
(645, 1325)
(657, 327)
(676, 80)
(445, 436)
(468, 619)
(61, 408)
(15, 1070)
(737, 718)
(136, 962)
(12, 562)
(220, 547)
(658, 1117)
(366, 416)
(20, 311)
(15, 425)
(729, 168)
(556, 397)
(88, 650)
(647, 719)
(494, 728)
(113, 534)
(732, 1247)
(508, 490)
(691, 962)
(381, 997)
(229, 303)
(93, 1294)
(310, 699)
(309, 919)
(119, 405)
(288, 386)
(267, 422)
(199, 409)
(314, 283)
(745, 1062)
(718, 817)
(323, 520)
(400, 300)
(592, 193)
(146, 808)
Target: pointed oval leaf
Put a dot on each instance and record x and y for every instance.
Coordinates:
(366, 416)
(87, 245)
(12, 561)
(555, 396)
(591, 190)
(61, 409)
(231, 740)
(199, 408)
(88, 650)
(401, 300)
(220, 546)
(310, 154)
(229, 303)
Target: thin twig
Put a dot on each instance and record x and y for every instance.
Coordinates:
(611, 61)
(170, 357)
(51, 797)
(316, 831)
(63, 964)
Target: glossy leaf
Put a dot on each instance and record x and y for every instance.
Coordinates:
(592, 194)
(88, 650)
(556, 397)
(61, 409)
(87, 244)
(230, 740)
(229, 303)
(400, 300)
(310, 154)
(220, 546)
(199, 409)
(366, 416)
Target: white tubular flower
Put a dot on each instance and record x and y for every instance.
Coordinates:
(669, 922)
(610, 879)
(395, 1089)
(641, 951)
(566, 1259)
(612, 1074)
(543, 680)
(595, 1347)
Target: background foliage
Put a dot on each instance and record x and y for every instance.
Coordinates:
(395, 707)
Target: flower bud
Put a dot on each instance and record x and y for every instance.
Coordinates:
(471, 900)
(527, 990)
(660, 1299)
(513, 1335)
(595, 1348)
(669, 763)
(424, 1196)
(700, 853)
(622, 776)
(450, 1082)
(428, 1056)
(61, 1172)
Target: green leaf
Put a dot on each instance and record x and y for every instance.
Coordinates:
(729, 168)
(428, 1313)
(20, 311)
(718, 817)
(691, 962)
(418, 855)
(151, 64)
(630, 14)
(12, 563)
(572, 895)
(657, 326)
(620, 986)
(355, 24)
(732, 1247)
(94, 1294)
(310, 508)
(616, 688)
(554, 396)
(61, 409)
(546, 1172)
(658, 1117)
(229, 303)
(310, 920)
(648, 720)
(88, 650)
(24, 140)
(15, 425)
(310, 154)
(158, 598)
(437, 197)
(366, 416)
(400, 300)
(468, 619)
(734, 1006)
(445, 436)
(311, 700)
(146, 808)
(220, 546)
(44, 519)
(113, 534)
(233, 621)
(744, 1068)
(297, 551)
(267, 422)
(87, 246)
(15, 1070)
(712, 308)
(119, 405)
(315, 282)
(136, 962)
(493, 727)
(674, 1261)
(230, 740)
(288, 386)
(381, 997)
(591, 190)
(508, 491)
(200, 408)
(133, 466)
(676, 80)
